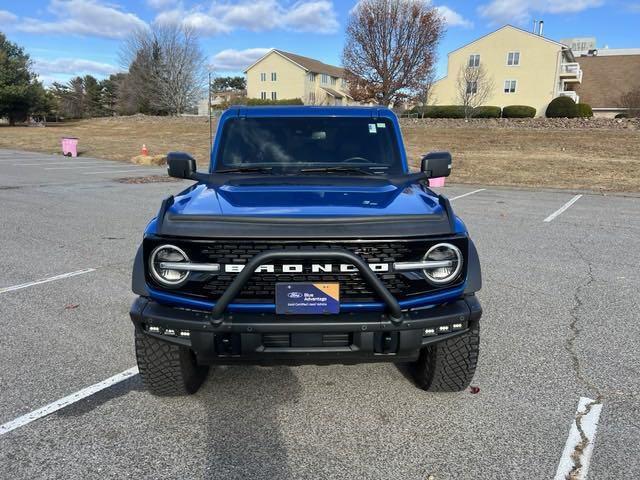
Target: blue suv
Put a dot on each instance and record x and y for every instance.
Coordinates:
(308, 240)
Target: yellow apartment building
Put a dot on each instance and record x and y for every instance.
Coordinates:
(526, 68)
(282, 75)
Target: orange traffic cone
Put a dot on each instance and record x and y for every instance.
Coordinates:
(145, 151)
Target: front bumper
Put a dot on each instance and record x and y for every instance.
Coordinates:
(267, 338)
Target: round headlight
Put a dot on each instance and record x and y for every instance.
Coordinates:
(167, 254)
(451, 257)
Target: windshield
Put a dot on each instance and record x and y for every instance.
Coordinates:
(344, 145)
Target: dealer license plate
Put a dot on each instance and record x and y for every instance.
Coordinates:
(307, 298)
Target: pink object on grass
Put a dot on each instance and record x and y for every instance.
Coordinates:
(436, 182)
(70, 147)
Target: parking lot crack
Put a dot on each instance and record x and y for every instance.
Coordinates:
(570, 347)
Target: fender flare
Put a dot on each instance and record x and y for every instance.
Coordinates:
(474, 272)
(138, 281)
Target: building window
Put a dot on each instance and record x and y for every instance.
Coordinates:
(333, 80)
(472, 88)
(343, 83)
(325, 78)
(510, 86)
(513, 59)
(263, 95)
(474, 60)
(312, 97)
(274, 96)
(263, 77)
(311, 77)
(274, 77)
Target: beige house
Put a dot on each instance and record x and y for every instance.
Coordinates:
(282, 75)
(525, 68)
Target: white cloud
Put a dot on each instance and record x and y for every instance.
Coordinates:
(7, 17)
(450, 16)
(203, 23)
(316, 16)
(453, 18)
(231, 60)
(159, 4)
(73, 66)
(84, 17)
(257, 15)
(520, 11)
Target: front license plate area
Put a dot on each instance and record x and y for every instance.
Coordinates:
(306, 298)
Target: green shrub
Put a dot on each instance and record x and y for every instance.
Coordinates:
(518, 111)
(584, 110)
(442, 111)
(622, 115)
(487, 112)
(562, 107)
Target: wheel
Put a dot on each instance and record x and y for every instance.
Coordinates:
(448, 366)
(167, 369)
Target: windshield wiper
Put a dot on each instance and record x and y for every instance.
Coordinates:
(245, 170)
(337, 169)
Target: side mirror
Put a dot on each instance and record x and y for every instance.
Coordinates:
(436, 164)
(181, 165)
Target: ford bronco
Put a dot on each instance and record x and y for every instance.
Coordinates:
(307, 241)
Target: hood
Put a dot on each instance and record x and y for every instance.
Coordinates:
(306, 197)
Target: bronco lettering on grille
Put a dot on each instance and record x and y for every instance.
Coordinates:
(313, 268)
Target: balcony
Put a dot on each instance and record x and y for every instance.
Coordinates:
(571, 72)
(572, 95)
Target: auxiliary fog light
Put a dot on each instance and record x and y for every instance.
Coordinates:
(457, 326)
(429, 331)
(169, 331)
(153, 329)
(185, 333)
(444, 328)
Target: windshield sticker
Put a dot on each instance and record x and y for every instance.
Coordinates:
(372, 128)
(382, 125)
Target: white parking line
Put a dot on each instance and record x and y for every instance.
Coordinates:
(116, 171)
(576, 452)
(46, 280)
(563, 208)
(65, 401)
(467, 194)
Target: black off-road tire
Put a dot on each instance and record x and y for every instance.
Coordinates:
(448, 366)
(167, 369)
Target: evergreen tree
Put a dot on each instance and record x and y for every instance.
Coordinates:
(20, 92)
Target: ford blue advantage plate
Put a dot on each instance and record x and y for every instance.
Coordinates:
(307, 298)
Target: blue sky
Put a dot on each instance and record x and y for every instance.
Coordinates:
(77, 37)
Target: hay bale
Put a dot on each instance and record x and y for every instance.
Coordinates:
(150, 160)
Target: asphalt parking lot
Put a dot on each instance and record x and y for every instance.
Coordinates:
(561, 322)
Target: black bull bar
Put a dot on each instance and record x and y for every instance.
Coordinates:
(394, 309)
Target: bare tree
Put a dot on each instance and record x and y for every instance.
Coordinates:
(631, 102)
(166, 68)
(474, 85)
(424, 92)
(390, 47)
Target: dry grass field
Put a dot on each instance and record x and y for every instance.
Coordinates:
(599, 159)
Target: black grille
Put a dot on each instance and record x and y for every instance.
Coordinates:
(261, 287)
